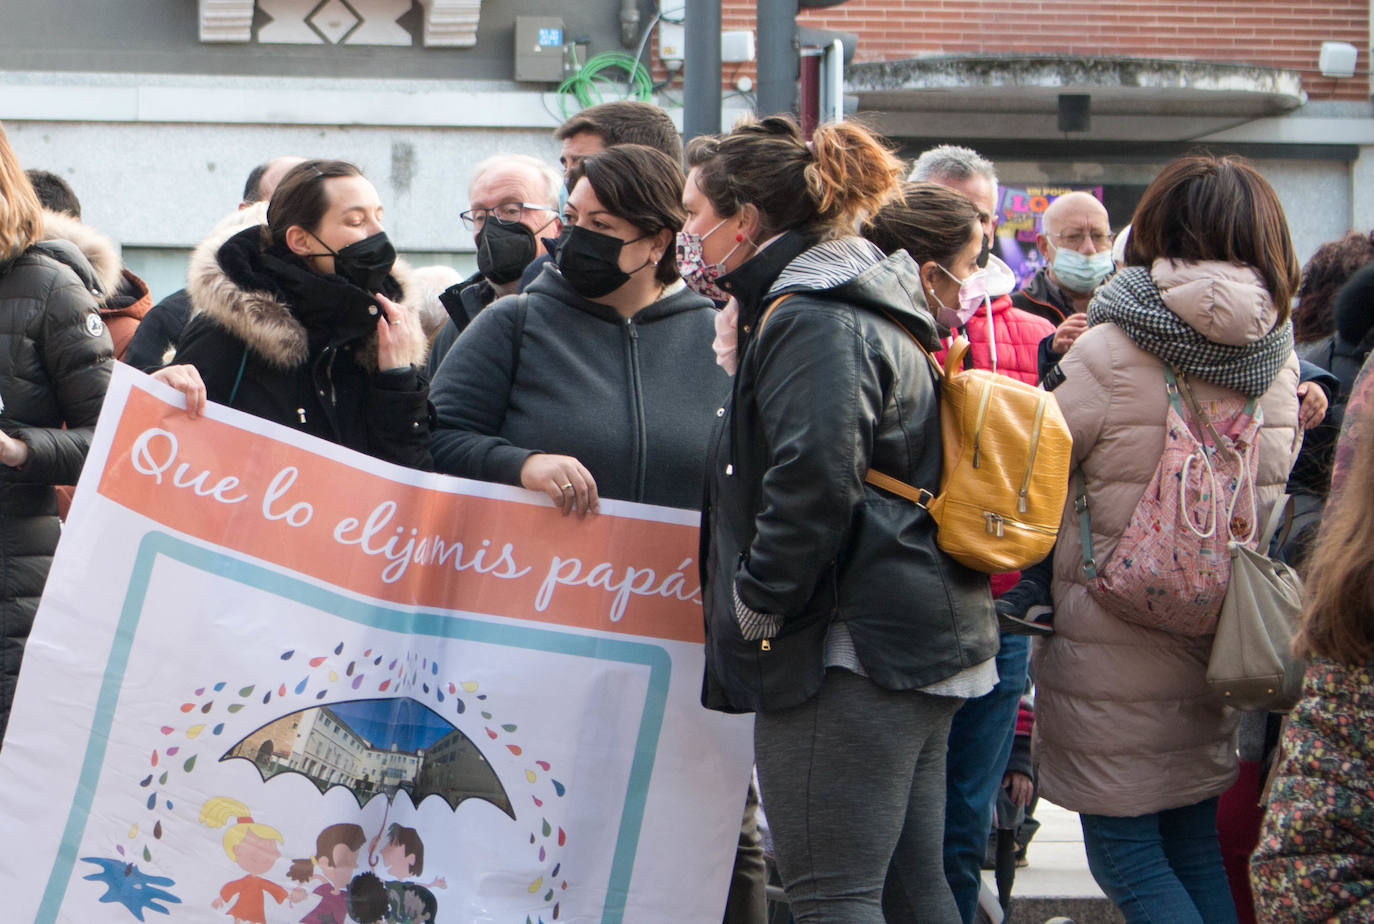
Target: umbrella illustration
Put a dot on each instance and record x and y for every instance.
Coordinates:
(375, 747)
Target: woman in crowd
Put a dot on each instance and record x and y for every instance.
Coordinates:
(598, 380)
(1128, 733)
(299, 320)
(1315, 860)
(54, 368)
(830, 611)
(941, 231)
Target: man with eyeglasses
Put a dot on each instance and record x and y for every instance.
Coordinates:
(512, 203)
(1075, 241)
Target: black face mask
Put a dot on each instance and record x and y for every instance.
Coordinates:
(504, 251)
(591, 261)
(364, 263)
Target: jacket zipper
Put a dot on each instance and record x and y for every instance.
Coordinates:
(637, 402)
(1030, 461)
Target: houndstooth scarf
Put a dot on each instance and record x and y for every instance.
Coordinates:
(1132, 302)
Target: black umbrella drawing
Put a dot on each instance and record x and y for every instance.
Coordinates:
(375, 747)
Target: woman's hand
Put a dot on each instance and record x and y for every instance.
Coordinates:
(1019, 787)
(186, 379)
(395, 333)
(1312, 404)
(13, 452)
(564, 479)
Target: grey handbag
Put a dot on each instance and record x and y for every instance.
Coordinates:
(1252, 665)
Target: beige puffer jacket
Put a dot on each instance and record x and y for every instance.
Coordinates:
(1125, 723)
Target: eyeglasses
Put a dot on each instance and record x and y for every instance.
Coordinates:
(1074, 240)
(507, 213)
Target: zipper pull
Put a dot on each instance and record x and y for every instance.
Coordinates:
(300, 412)
(764, 645)
(1021, 502)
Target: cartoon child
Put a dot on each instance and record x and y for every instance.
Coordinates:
(254, 847)
(367, 899)
(336, 857)
(404, 856)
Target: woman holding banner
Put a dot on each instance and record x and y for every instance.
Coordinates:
(831, 613)
(598, 380)
(55, 361)
(300, 320)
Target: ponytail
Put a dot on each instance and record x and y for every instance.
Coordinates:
(823, 188)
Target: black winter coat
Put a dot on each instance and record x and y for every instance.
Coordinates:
(55, 365)
(252, 338)
(548, 371)
(791, 532)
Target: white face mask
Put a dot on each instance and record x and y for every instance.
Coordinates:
(1001, 280)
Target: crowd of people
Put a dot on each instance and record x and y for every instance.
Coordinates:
(747, 327)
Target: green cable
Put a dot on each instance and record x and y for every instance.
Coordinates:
(585, 86)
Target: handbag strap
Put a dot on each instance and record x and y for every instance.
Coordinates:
(1085, 525)
(1283, 508)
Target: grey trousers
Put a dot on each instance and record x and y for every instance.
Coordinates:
(853, 784)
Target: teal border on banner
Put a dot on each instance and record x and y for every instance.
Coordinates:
(392, 619)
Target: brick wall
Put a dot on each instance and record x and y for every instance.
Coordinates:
(1273, 33)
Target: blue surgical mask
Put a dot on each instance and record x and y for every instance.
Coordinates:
(1080, 273)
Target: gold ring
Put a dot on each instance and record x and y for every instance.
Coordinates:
(564, 487)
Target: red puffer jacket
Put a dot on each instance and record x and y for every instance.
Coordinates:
(1013, 336)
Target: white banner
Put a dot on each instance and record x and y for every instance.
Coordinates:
(273, 680)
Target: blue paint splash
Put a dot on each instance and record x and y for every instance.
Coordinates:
(127, 885)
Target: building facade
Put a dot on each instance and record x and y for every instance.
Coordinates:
(156, 110)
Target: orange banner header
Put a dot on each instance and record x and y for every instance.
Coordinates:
(406, 544)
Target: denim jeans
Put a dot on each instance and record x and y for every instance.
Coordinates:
(980, 740)
(1162, 868)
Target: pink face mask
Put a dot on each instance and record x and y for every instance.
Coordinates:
(699, 275)
(973, 294)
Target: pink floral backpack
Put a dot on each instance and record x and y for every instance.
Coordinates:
(1172, 565)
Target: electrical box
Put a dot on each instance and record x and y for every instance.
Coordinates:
(1337, 59)
(539, 49)
(736, 46)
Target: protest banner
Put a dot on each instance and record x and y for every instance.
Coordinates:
(275, 680)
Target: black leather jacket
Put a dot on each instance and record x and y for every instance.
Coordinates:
(828, 389)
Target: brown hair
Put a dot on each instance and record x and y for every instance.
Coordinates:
(626, 122)
(844, 174)
(300, 198)
(409, 841)
(1202, 207)
(344, 833)
(930, 222)
(21, 217)
(1329, 269)
(1338, 615)
(641, 185)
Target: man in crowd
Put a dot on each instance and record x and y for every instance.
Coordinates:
(512, 203)
(599, 127)
(157, 335)
(1075, 241)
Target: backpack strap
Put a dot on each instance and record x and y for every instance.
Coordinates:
(768, 313)
(954, 355)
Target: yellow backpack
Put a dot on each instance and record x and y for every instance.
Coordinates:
(1006, 467)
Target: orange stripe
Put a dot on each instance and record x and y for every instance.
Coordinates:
(580, 571)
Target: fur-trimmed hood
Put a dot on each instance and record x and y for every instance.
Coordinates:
(100, 251)
(260, 318)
